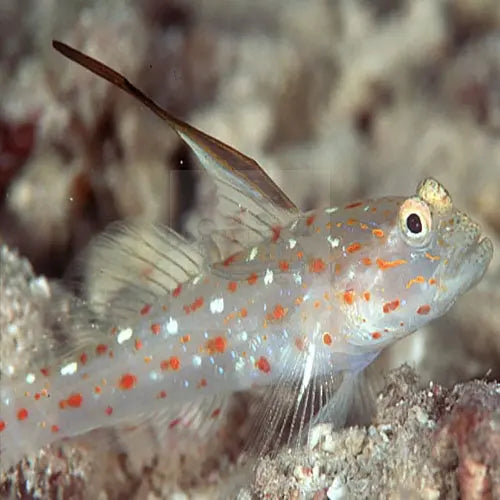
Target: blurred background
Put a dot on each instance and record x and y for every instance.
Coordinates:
(336, 99)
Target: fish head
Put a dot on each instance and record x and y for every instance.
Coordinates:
(429, 255)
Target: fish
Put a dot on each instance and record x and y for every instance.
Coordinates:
(294, 305)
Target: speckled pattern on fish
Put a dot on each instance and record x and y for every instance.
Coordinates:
(299, 299)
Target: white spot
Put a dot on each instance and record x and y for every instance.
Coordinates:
(240, 364)
(124, 335)
(30, 378)
(172, 326)
(268, 278)
(331, 210)
(196, 360)
(292, 243)
(298, 278)
(197, 279)
(253, 253)
(217, 305)
(334, 242)
(244, 336)
(154, 376)
(10, 370)
(70, 368)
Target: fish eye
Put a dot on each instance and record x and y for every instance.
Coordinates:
(415, 221)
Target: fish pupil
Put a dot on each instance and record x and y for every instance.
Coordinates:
(414, 224)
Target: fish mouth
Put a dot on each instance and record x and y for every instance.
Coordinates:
(472, 261)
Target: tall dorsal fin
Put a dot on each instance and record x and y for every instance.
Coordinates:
(250, 206)
(223, 161)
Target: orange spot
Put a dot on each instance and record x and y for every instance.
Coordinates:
(74, 400)
(276, 233)
(172, 363)
(432, 281)
(376, 335)
(45, 372)
(300, 255)
(363, 226)
(187, 309)
(366, 261)
(351, 222)
(387, 264)
(354, 247)
(432, 257)
(299, 343)
(108, 410)
(148, 359)
(3, 425)
(354, 205)
(156, 328)
(317, 303)
(55, 429)
(243, 312)
(232, 286)
(176, 292)
(83, 358)
(327, 339)
(138, 344)
(317, 265)
(101, 349)
(367, 296)
(185, 339)
(279, 312)
(378, 233)
(162, 395)
(203, 382)
(349, 297)
(37, 396)
(127, 381)
(215, 413)
(197, 303)
(338, 267)
(390, 306)
(310, 220)
(414, 281)
(97, 389)
(425, 309)
(22, 414)
(252, 279)
(229, 260)
(216, 345)
(284, 265)
(146, 308)
(174, 422)
(263, 365)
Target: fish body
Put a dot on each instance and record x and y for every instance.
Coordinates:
(304, 298)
